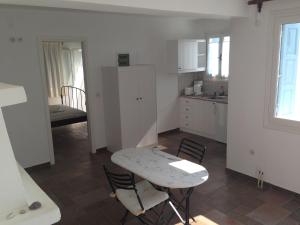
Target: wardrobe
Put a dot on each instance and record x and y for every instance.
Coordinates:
(129, 95)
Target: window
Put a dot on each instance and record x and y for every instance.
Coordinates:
(282, 110)
(218, 56)
(288, 80)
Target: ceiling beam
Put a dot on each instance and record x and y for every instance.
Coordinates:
(259, 3)
(194, 8)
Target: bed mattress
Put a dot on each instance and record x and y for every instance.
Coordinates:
(63, 112)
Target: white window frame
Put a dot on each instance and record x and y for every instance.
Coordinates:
(277, 19)
(222, 36)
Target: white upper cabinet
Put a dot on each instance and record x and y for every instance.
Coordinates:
(187, 55)
(201, 60)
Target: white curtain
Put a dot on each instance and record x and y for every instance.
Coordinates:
(72, 65)
(53, 67)
(63, 67)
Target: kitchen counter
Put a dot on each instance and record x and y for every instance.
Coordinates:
(206, 98)
(204, 116)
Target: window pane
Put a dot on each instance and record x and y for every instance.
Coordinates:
(225, 56)
(288, 87)
(213, 56)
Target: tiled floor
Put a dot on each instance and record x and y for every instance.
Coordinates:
(77, 184)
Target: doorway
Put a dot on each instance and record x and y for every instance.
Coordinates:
(64, 73)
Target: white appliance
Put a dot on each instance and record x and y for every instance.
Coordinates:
(198, 87)
(188, 91)
(129, 95)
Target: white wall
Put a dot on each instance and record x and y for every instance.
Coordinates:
(144, 37)
(214, 26)
(276, 153)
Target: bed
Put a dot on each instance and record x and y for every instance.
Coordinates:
(72, 107)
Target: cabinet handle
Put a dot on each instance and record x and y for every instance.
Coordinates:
(215, 108)
(187, 109)
(186, 124)
(186, 117)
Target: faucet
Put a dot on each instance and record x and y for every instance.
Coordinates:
(222, 92)
(215, 95)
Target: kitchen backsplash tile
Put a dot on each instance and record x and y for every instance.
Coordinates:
(212, 86)
(187, 80)
(209, 86)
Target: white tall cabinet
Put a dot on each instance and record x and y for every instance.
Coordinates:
(129, 95)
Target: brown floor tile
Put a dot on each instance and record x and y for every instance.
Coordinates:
(288, 221)
(296, 215)
(244, 219)
(292, 205)
(273, 196)
(200, 220)
(268, 214)
(78, 185)
(242, 210)
(220, 218)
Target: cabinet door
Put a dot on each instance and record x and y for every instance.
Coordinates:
(221, 122)
(192, 48)
(181, 55)
(188, 113)
(187, 55)
(148, 135)
(201, 54)
(129, 107)
(206, 114)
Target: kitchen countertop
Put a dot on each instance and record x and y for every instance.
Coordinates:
(207, 98)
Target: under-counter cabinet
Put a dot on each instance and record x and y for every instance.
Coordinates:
(187, 55)
(205, 118)
(129, 95)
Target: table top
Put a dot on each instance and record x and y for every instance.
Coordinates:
(161, 168)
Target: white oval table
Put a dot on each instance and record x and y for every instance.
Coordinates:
(162, 169)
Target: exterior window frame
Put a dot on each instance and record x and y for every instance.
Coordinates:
(219, 75)
(277, 19)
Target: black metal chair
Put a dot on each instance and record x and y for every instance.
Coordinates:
(192, 149)
(137, 198)
(196, 151)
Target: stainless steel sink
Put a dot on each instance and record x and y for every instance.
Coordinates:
(221, 99)
(218, 97)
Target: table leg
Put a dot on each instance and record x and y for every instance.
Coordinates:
(187, 206)
(187, 211)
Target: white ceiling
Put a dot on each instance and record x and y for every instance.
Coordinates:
(195, 8)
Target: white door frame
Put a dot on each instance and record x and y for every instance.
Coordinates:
(83, 42)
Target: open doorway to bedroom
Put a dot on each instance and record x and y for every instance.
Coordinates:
(64, 73)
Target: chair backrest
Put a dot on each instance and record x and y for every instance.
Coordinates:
(122, 181)
(192, 149)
